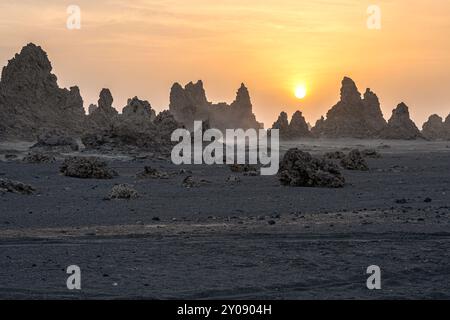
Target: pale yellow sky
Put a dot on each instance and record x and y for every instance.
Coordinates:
(140, 47)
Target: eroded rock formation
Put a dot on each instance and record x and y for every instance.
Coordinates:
(31, 100)
(103, 115)
(434, 128)
(136, 129)
(282, 124)
(190, 103)
(447, 128)
(400, 125)
(352, 116)
(297, 128)
(136, 108)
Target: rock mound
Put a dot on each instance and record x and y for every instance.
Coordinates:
(400, 125)
(86, 168)
(123, 192)
(354, 161)
(31, 100)
(300, 169)
(352, 116)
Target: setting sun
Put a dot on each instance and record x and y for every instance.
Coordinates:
(300, 92)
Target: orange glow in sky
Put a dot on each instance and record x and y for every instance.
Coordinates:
(140, 47)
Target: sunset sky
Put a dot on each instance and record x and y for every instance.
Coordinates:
(139, 48)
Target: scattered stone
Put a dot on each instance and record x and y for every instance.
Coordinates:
(86, 168)
(252, 174)
(190, 182)
(123, 192)
(10, 156)
(151, 173)
(233, 180)
(7, 185)
(300, 169)
(243, 168)
(370, 153)
(354, 161)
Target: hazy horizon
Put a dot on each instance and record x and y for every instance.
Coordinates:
(140, 48)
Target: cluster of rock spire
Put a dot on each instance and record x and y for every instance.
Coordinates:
(31, 101)
(190, 103)
(361, 117)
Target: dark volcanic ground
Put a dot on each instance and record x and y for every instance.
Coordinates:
(215, 241)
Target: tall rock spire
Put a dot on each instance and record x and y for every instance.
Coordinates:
(31, 99)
